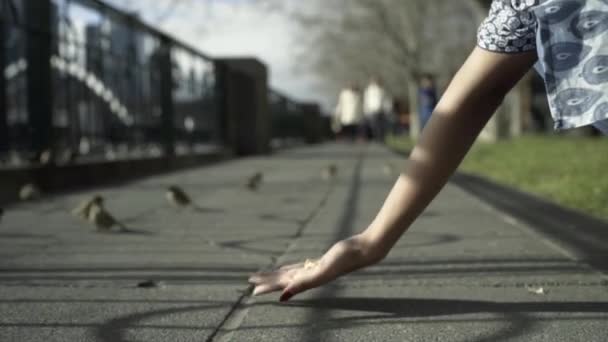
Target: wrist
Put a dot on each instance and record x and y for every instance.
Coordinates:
(372, 250)
(380, 239)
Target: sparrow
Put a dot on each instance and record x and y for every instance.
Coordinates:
(29, 192)
(330, 172)
(254, 182)
(83, 209)
(103, 220)
(177, 197)
(46, 157)
(388, 169)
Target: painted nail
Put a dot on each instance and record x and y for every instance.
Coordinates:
(286, 296)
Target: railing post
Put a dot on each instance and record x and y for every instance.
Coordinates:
(3, 116)
(39, 76)
(222, 102)
(312, 122)
(243, 83)
(166, 93)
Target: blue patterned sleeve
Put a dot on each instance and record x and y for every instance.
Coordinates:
(509, 28)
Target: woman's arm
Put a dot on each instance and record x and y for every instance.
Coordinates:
(470, 100)
(472, 97)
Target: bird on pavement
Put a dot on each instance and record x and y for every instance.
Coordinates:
(103, 220)
(330, 172)
(177, 197)
(388, 169)
(83, 209)
(29, 192)
(46, 157)
(254, 181)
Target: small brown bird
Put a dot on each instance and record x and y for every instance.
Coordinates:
(330, 172)
(103, 220)
(83, 209)
(254, 182)
(177, 197)
(46, 157)
(29, 192)
(388, 169)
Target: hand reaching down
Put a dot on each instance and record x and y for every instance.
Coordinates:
(344, 257)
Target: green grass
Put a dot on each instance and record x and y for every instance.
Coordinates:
(400, 143)
(569, 171)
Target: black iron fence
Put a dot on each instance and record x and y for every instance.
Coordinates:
(287, 117)
(84, 79)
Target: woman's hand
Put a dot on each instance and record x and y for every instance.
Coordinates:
(342, 258)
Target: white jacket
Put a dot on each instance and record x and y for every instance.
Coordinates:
(375, 100)
(349, 109)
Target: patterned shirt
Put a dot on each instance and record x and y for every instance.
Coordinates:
(571, 40)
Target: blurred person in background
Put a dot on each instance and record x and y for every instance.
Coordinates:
(427, 99)
(376, 109)
(568, 40)
(348, 116)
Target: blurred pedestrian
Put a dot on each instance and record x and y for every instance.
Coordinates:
(348, 116)
(376, 108)
(427, 98)
(571, 36)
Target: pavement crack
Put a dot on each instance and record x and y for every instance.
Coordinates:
(233, 316)
(239, 310)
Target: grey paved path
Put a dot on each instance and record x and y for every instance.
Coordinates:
(460, 274)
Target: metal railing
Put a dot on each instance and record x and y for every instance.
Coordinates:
(118, 88)
(287, 118)
(83, 80)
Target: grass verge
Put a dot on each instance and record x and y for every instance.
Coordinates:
(570, 171)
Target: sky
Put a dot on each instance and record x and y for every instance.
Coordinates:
(235, 28)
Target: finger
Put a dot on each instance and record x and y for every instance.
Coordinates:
(285, 296)
(291, 267)
(262, 276)
(303, 281)
(256, 282)
(267, 288)
(307, 279)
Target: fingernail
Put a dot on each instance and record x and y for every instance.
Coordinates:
(286, 296)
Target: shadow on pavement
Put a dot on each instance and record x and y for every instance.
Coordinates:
(585, 236)
(514, 315)
(410, 307)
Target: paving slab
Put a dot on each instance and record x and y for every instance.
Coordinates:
(464, 271)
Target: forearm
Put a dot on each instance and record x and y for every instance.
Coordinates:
(463, 111)
(447, 138)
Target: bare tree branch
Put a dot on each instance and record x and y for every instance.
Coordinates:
(349, 40)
